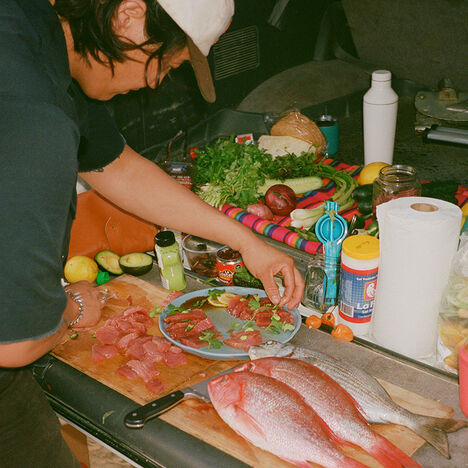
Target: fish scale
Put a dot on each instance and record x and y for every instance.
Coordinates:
(374, 402)
(274, 417)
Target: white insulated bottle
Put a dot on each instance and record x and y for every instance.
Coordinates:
(380, 106)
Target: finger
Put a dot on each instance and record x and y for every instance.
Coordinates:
(298, 293)
(288, 281)
(271, 289)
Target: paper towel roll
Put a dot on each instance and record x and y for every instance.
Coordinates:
(418, 240)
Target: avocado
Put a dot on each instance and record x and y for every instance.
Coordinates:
(136, 264)
(108, 261)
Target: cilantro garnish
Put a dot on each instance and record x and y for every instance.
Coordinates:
(209, 337)
(254, 302)
(199, 303)
(156, 310)
(171, 309)
(214, 293)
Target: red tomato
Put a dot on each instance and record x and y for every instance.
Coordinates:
(281, 199)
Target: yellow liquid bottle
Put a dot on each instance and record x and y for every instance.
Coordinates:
(170, 264)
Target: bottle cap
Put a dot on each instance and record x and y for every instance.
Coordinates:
(164, 238)
(381, 75)
(361, 247)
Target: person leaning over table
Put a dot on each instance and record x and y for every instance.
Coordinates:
(59, 60)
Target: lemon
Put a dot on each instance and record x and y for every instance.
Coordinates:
(79, 268)
(226, 297)
(370, 172)
(216, 302)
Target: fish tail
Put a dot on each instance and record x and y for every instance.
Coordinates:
(389, 455)
(446, 425)
(430, 430)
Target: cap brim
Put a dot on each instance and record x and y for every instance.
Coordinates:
(201, 67)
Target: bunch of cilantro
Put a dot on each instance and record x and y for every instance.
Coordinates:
(230, 172)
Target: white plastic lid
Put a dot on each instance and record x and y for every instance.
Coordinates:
(381, 75)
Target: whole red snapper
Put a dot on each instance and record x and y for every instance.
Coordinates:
(333, 404)
(274, 417)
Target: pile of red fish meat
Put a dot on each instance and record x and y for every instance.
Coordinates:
(239, 307)
(189, 326)
(126, 333)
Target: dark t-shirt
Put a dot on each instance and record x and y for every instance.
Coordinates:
(49, 130)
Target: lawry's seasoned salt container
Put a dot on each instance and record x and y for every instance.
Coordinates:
(228, 261)
(358, 282)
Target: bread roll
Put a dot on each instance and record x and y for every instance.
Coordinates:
(297, 125)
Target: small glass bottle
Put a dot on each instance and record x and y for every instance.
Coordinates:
(395, 182)
(317, 281)
(170, 264)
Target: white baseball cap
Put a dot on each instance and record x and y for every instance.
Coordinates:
(203, 21)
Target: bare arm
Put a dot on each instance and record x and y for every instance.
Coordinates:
(23, 353)
(142, 188)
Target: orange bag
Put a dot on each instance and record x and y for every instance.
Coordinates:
(101, 225)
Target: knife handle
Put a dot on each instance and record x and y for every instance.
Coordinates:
(136, 419)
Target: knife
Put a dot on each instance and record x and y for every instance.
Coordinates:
(136, 419)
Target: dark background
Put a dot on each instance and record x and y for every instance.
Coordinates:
(316, 56)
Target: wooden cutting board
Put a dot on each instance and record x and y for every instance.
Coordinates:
(200, 419)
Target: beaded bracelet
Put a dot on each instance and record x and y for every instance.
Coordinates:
(76, 297)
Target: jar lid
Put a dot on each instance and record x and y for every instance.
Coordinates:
(164, 238)
(361, 247)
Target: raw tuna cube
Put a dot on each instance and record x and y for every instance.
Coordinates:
(136, 351)
(174, 359)
(155, 385)
(101, 352)
(152, 352)
(126, 372)
(144, 369)
(162, 344)
(127, 340)
(107, 335)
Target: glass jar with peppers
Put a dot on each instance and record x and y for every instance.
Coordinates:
(395, 182)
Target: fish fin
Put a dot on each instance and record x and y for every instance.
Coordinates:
(447, 425)
(389, 455)
(246, 419)
(436, 437)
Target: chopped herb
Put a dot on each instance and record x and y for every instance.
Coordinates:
(249, 324)
(74, 336)
(243, 337)
(249, 329)
(199, 303)
(172, 310)
(156, 310)
(288, 327)
(208, 336)
(235, 324)
(189, 327)
(93, 335)
(254, 302)
(214, 293)
(276, 317)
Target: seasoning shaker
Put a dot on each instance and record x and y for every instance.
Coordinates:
(169, 262)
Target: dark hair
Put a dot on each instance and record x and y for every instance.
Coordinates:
(91, 26)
